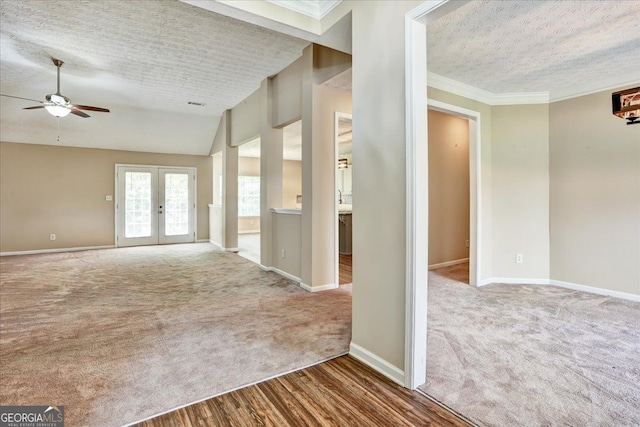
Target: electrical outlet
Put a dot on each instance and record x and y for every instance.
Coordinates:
(283, 253)
(519, 259)
(108, 198)
(52, 236)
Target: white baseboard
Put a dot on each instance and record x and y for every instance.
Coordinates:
(49, 251)
(561, 284)
(202, 240)
(229, 249)
(280, 272)
(249, 232)
(318, 288)
(594, 290)
(215, 243)
(385, 368)
(514, 281)
(448, 263)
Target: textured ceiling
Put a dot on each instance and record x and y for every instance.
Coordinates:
(143, 59)
(531, 46)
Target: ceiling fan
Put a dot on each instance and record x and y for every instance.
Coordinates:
(59, 105)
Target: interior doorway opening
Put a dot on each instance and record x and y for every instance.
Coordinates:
(249, 200)
(449, 195)
(344, 197)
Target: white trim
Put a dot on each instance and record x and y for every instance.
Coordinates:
(280, 272)
(249, 232)
(448, 263)
(583, 91)
(229, 249)
(514, 281)
(320, 288)
(239, 387)
(202, 241)
(377, 363)
(50, 251)
(594, 290)
(417, 198)
(286, 211)
(219, 245)
(458, 88)
(317, 9)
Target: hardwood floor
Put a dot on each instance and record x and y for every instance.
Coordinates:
(345, 269)
(340, 392)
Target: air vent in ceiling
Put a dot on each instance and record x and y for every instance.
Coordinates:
(199, 104)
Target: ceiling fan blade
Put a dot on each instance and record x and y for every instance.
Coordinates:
(79, 113)
(90, 108)
(19, 97)
(33, 108)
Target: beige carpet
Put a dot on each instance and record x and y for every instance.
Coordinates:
(119, 335)
(514, 355)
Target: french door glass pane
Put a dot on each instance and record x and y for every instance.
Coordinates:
(137, 204)
(176, 199)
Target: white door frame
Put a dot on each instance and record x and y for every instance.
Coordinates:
(117, 196)
(417, 179)
(336, 251)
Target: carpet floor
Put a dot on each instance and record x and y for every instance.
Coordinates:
(515, 355)
(120, 335)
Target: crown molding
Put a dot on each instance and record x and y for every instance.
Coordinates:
(444, 83)
(601, 88)
(316, 9)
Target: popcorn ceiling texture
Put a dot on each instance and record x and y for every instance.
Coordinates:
(120, 335)
(149, 52)
(532, 46)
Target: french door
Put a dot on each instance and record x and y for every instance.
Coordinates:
(155, 205)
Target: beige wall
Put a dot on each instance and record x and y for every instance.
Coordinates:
(48, 189)
(291, 182)
(448, 187)
(245, 119)
(287, 96)
(520, 190)
(286, 236)
(248, 166)
(595, 195)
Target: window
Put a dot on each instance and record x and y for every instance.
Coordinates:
(248, 196)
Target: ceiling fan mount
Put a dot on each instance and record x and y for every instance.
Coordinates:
(57, 104)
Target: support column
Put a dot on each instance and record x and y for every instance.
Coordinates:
(318, 186)
(229, 189)
(270, 172)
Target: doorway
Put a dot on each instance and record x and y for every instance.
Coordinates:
(344, 197)
(155, 205)
(449, 195)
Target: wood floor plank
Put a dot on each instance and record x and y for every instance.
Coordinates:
(340, 392)
(345, 270)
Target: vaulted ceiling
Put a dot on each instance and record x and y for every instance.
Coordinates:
(144, 60)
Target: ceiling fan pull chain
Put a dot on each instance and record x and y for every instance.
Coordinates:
(58, 140)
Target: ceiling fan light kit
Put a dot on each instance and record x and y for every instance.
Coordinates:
(59, 105)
